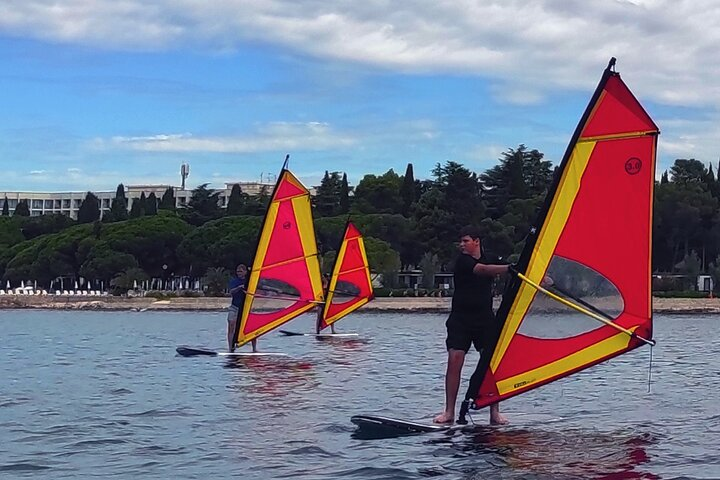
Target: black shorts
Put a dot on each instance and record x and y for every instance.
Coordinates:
(463, 332)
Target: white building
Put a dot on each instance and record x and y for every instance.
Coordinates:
(68, 203)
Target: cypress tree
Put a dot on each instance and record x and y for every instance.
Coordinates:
(151, 204)
(6, 208)
(89, 210)
(344, 196)
(168, 200)
(236, 201)
(118, 207)
(407, 191)
(22, 209)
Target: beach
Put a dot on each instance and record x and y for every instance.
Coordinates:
(380, 305)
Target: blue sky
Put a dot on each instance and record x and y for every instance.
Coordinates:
(98, 92)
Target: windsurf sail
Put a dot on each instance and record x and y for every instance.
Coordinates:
(350, 286)
(593, 240)
(285, 279)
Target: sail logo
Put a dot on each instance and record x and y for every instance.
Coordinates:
(287, 225)
(633, 165)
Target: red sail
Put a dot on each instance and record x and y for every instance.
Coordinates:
(285, 276)
(593, 240)
(350, 286)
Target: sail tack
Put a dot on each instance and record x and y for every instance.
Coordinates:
(285, 277)
(350, 286)
(593, 239)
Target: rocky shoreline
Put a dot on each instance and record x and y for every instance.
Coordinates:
(217, 304)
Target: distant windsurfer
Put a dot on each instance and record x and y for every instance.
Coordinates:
(321, 306)
(237, 287)
(471, 320)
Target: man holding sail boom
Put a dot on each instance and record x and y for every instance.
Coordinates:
(471, 320)
(237, 290)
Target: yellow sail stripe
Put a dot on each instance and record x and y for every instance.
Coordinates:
(547, 241)
(587, 355)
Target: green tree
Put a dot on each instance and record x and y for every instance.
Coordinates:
(89, 210)
(407, 191)
(224, 242)
(5, 208)
(203, 206)
(383, 260)
(327, 195)
(22, 209)
(690, 267)
(521, 174)
(168, 200)
(430, 265)
(128, 280)
(685, 171)
(378, 194)
(44, 224)
(151, 204)
(118, 207)
(453, 201)
(215, 281)
(237, 202)
(344, 196)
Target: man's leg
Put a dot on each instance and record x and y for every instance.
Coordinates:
(231, 321)
(456, 358)
(254, 345)
(497, 418)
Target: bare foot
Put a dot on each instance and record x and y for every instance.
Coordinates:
(498, 418)
(445, 417)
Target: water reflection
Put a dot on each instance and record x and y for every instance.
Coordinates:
(568, 454)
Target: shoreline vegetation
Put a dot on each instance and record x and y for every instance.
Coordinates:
(220, 304)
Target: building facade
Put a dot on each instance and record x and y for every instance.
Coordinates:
(68, 203)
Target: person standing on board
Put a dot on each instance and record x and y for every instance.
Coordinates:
(321, 306)
(471, 319)
(237, 290)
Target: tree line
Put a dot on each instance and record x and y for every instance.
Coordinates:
(407, 222)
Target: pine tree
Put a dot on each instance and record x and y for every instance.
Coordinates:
(664, 178)
(344, 196)
(168, 200)
(89, 210)
(6, 208)
(151, 204)
(407, 191)
(22, 209)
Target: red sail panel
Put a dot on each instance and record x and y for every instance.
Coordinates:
(594, 242)
(285, 276)
(350, 286)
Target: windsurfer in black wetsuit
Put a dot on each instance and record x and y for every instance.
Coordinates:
(237, 287)
(321, 306)
(471, 320)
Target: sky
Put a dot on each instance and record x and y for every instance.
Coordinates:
(94, 93)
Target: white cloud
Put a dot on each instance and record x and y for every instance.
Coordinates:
(273, 137)
(668, 47)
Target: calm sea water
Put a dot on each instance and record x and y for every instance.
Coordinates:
(89, 394)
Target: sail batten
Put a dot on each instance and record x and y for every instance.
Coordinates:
(593, 240)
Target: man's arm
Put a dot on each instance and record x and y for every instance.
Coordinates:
(489, 270)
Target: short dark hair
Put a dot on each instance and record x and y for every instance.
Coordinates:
(471, 231)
